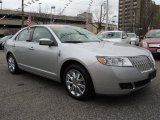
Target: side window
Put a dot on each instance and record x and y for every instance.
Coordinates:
(24, 35)
(40, 33)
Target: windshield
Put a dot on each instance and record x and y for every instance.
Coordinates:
(153, 34)
(110, 35)
(131, 35)
(68, 34)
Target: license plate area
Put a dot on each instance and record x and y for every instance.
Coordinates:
(158, 50)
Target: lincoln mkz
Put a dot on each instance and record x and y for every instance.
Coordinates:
(76, 57)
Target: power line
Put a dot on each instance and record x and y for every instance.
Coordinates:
(90, 5)
(66, 5)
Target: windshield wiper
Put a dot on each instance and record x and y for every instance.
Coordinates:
(72, 42)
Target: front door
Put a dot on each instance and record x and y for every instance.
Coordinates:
(44, 59)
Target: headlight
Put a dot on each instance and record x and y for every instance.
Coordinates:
(152, 59)
(144, 44)
(115, 61)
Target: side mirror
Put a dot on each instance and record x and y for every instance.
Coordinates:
(46, 41)
(124, 37)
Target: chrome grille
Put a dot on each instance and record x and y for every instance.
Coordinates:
(142, 63)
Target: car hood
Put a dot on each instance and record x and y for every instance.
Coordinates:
(152, 40)
(110, 49)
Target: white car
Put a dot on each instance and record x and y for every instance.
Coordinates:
(134, 40)
(114, 36)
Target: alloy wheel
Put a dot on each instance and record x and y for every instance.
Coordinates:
(75, 83)
(11, 64)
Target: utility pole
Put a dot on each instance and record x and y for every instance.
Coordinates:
(40, 7)
(107, 12)
(22, 13)
(1, 4)
(100, 25)
(52, 7)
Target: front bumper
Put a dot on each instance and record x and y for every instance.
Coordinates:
(119, 80)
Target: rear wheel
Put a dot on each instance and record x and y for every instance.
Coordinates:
(12, 64)
(78, 82)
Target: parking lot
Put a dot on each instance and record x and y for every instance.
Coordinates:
(29, 97)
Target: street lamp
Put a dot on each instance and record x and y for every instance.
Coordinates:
(40, 7)
(22, 13)
(1, 3)
(107, 12)
(52, 8)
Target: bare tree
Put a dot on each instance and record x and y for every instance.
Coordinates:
(42, 18)
(99, 16)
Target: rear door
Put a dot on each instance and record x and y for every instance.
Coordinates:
(21, 46)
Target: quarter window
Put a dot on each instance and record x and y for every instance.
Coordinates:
(40, 33)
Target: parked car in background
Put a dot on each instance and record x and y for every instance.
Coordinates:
(114, 36)
(151, 41)
(134, 39)
(79, 59)
(3, 41)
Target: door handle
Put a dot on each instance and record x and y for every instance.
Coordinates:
(31, 48)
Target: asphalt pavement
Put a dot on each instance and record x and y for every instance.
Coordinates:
(30, 97)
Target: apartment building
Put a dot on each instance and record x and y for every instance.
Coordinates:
(135, 15)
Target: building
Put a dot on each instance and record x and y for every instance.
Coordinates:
(156, 17)
(10, 21)
(135, 15)
(87, 16)
(94, 27)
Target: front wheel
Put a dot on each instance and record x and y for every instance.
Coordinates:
(78, 82)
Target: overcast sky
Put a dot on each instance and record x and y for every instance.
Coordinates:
(74, 8)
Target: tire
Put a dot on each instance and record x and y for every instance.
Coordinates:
(12, 64)
(1, 46)
(78, 82)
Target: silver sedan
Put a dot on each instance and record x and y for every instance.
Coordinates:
(76, 57)
(114, 36)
